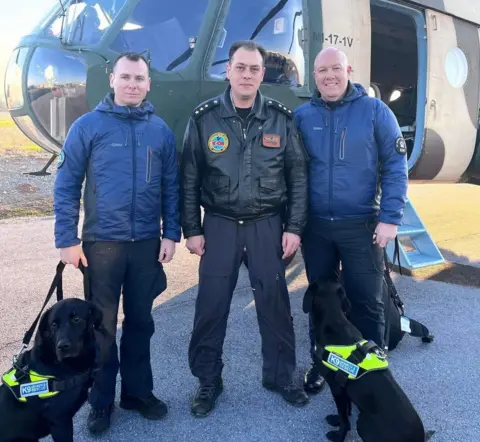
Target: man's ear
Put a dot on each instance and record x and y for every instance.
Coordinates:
(308, 298)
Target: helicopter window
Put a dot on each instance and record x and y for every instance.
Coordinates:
(168, 33)
(13, 79)
(277, 26)
(85, 21)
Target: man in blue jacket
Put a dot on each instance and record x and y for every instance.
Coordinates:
(358, 181)
(129, 159)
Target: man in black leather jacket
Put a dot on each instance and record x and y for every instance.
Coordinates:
(244, 162)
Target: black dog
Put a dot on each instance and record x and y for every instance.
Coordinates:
(385, 412)
(64, 349)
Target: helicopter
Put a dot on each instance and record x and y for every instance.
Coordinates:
(422, 58)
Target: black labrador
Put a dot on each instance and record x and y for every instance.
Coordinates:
(65, 348)
(385, 412)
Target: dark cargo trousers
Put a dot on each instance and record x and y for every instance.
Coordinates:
(133, 267)
(325, 244)
(225, 243)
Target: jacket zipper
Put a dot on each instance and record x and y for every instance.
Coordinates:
(149, 164)
(332, 147)
(134, 174)
(342, 144)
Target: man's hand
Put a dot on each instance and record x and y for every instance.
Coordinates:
(384, 233)
(167, 250)
(290, 244)
(73, 255)
(196, 244)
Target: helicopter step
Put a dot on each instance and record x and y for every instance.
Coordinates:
(416, 247)
(43, 172)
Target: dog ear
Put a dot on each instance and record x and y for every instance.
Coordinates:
(308, 298)
(43, 343)
(346, 306)
(96, 315)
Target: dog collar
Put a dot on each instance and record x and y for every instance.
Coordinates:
(353, 361)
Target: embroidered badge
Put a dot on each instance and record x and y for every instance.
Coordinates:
(218, 142)
(401, 146)
(34, 388)
(343, 364)
(61, 159)
(271, 140)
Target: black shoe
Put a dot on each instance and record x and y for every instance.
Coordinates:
(149, 407)
(291, 393)
(98, 419)
(207, 394)
(313, 383)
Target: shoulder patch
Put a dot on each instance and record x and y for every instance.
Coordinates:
(401, 146)
(279, 106)
(205, 107)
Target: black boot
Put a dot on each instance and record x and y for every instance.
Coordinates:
(313, 382)
(207, 394)
(149, 407)
(98, 419)
(291, 393)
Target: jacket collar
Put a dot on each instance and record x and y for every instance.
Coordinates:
(227, 108)
(141, 112)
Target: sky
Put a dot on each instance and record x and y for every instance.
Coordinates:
(17, 18)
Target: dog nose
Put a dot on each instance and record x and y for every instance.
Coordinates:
(63, 346)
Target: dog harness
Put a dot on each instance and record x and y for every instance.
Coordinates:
(351, 362)
(24, 383)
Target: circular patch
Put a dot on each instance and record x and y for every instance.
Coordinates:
(218, 142)
(61, 159)
(401, 146)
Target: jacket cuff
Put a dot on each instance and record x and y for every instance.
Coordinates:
(294, 229)
(63, 244)
(386, 219)
(195, 231)
(172, 235)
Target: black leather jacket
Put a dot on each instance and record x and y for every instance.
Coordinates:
(243, 173)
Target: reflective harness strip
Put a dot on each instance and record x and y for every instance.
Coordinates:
(351, 362)
(33, 385)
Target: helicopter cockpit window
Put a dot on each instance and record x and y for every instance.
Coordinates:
(85, 21)
(168, 32)
(278, 27)
(13, 79)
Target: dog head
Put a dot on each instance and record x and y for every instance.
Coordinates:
(325, 297)
(67, 330)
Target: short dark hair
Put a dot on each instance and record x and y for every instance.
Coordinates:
(249, 45)
(132, 56)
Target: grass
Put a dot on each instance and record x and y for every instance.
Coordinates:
(12, 140)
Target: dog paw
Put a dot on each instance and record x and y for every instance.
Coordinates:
(333, 420)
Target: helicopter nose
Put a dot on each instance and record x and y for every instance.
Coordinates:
(55, 85)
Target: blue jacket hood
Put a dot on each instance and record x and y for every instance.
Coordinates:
(354, 92)
(141, 112)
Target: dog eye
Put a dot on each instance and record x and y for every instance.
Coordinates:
(76, 319)
(53, 325)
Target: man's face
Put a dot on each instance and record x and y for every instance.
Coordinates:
(331, 75)
(245, 72)
(130, 82)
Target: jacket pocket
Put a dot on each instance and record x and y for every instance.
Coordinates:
(149, 165)
(342, 144)
(270, 192)
(218, 190)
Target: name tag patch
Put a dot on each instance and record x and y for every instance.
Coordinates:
(343, 364)
(271, 140)
(34, 388)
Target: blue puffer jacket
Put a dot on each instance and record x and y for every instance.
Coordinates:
(130, 161)
(355, 147)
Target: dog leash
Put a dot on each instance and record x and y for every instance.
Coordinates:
(389, 283)
(56, 285)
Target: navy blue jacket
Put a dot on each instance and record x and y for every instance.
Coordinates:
(129, 158)
(355, 147)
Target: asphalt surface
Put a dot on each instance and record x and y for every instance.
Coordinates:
(440, 378)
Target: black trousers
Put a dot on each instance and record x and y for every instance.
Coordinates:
(324, 245)
(131, 268)
(226, 241)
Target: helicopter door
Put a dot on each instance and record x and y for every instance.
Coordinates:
(349, 31)
(452, 104)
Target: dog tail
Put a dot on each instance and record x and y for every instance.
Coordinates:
(429, 434)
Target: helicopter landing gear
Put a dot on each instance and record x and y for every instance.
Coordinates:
(43, 172)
